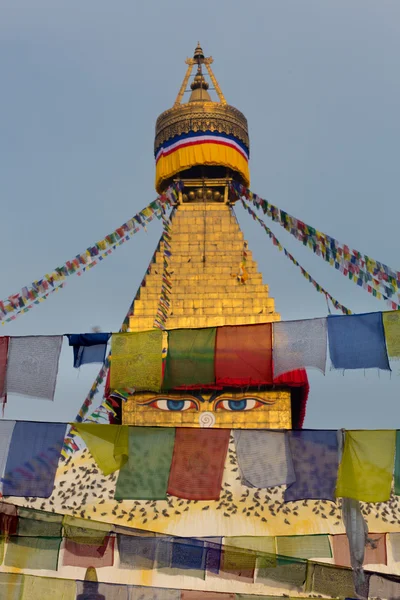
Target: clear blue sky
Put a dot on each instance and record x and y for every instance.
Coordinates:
(82, 85)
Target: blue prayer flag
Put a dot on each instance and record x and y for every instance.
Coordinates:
(357, 341)
(88, 347)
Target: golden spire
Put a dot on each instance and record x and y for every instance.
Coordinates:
(202, 95)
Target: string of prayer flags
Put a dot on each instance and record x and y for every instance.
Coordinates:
(315, 456)
(357, 342)
(88, 347)
(391, 324)
(145, 475)
(190, 358)
(164, 303)
(306, 275)
(365, 471)
(32, 553)
(32, 460)
(37, 290)
(375, 277)
(244, 355)
(264, 458)
(88, 555)
(108, 444)
(299, 344)
(198, 463)
(33, 365)
(136, 360)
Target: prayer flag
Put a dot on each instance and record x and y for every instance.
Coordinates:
(198, 463)
(304, 546)
(244, 355)
(11, 585)
(32, 553)
(87, 555)
(85, 531)
(391, 324)
(137, 551)
(264, 458)
(6, 431)
(357, 342)
(145, 475)
(315, 460)
(38, 523)
(384, 586)
(190, 358)
(108, 444)
(136, 360)
(188, 553)
(4, 341)
(8, 520)
(88, 347)
(299, 344)
(35, 587)
(366, 468)
(33, 458)
(375, 550)
(33, 365)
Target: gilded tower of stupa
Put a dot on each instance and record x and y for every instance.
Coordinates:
(214, 279)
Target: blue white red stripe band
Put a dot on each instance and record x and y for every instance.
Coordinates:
(201, 137)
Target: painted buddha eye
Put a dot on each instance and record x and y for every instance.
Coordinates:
(172, 405)
(238, 405)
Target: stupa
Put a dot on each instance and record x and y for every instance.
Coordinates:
(203, 145)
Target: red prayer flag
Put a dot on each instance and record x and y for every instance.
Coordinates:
(243, 355)
(87, 555)
(198, 463)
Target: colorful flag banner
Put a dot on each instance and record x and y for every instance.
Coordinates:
(26, 297)
(375, 277)
(277, 243)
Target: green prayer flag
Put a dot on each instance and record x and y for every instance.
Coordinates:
(397, 465)
(145, 475)
(190, 358)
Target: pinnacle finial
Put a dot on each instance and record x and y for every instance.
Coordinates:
(198, 53)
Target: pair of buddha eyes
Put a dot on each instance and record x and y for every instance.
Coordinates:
(180, 405)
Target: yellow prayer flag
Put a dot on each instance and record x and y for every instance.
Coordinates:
(391, 324)
(136, 360)
(48, 587)
(108, 444)
(366, 469)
